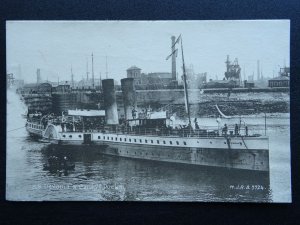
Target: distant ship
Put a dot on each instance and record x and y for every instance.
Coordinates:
(34, 124)
(149, 135)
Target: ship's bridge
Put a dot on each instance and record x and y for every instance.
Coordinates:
(150, 119)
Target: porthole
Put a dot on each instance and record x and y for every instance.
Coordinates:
(64, 135)
(184, 143)
(124, 139)
(111, 138)
(98, 137)
(134, 140)
(157, 141)
(170, 142)
(116, 138)
(210, 142)
(120, 139)
(104, 137)
(152, 141)
(70, 136)
(141, 140)
(129, 139)
(177, 142)
(146, 141)
(164, 142)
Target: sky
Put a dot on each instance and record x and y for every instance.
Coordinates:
(56, 46)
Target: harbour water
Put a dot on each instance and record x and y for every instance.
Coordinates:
(107, 178)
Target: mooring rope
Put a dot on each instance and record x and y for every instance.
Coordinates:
(16, 129)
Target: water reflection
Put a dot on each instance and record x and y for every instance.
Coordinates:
(134, 179)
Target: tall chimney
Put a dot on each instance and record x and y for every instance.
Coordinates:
(173, 59)
(258, 71)
(38, 76)
(129, 98)
(110, 103)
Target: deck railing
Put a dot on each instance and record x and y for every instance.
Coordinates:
(204, 131)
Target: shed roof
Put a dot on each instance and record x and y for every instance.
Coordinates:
(281, 78)
(86, 112)
(133, 68)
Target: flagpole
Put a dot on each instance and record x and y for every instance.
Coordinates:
(185, 85)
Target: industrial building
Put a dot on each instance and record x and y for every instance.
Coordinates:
(232, 76)
(279, 82)
(248, 84)
(283, 80)
(135, 73)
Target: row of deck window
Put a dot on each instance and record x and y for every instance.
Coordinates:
(130, 140)
(140, 140)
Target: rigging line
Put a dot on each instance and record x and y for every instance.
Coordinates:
(244, 142)
(16, 129)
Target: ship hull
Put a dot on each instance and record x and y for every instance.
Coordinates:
(233, 158)
(233, 152)
(243, 159)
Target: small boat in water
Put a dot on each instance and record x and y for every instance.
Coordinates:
(59, 167)
(57, 164)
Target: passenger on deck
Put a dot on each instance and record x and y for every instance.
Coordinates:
(196, 124)
(45, 123)
(224, 130)
(62, 127)
(236, 130)
(246, 129)
(133, 113)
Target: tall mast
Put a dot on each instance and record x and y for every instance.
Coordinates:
(244, 72)
(185, 85)
(258, 71)
(106, 67)
(100, 81)
(87, 70)
(93, 80)
(72, 77)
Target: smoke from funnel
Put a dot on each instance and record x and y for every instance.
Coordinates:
(110, 103)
